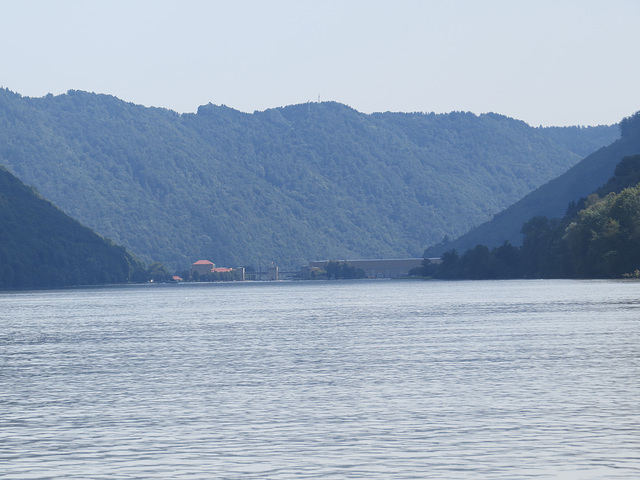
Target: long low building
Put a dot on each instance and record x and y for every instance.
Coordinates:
(381, 268)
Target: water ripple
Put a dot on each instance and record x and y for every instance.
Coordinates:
(461, 380)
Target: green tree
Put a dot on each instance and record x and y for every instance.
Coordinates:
(604, 239)
(426, 269)
(342, 270)
(451, 266)
(157, 272)
(505, 262)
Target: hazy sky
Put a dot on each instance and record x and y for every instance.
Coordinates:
(556, 62)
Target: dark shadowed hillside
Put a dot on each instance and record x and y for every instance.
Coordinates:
(40, 246)
(292, 184)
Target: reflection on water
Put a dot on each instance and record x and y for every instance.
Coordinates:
(364, 379)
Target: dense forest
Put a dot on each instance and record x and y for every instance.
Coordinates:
(598, 237)
(551, 199)
(40, 246)
(293, 184)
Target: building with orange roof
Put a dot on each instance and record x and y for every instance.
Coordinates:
(202, 267)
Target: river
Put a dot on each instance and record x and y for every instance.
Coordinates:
(343, 379)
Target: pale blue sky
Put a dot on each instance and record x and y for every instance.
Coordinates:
(555, 62)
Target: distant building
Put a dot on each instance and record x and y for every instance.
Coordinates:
(202, 267)
(382, 268)
(272, 273)
(205, 267)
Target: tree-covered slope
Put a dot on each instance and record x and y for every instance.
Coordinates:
(552, 199)
(292, 184)
(598, 238)
(40, 246)
(626, 175)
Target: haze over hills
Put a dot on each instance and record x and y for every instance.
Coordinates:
(551, 199)
(290, 185)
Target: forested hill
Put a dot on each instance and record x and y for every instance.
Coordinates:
(599, 237)
(291, 184)
(553, 198)
(40, 246)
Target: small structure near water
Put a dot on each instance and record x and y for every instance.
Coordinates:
(272, 273)
(204, 268)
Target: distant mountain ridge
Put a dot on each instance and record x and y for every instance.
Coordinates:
(290, 185)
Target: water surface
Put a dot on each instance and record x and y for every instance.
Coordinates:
(367, 379)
